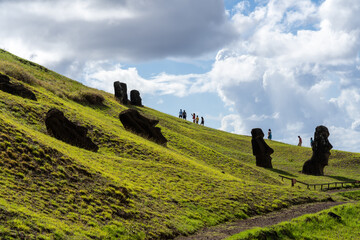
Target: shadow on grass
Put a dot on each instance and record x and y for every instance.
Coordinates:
(342, 179)
(97, 106)
(281, 172)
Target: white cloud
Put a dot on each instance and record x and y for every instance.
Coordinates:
(125, 30)
(99, 76)
(233, 123)
(295, 59)
(344, 138)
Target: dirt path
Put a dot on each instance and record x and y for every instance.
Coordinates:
(228, 229)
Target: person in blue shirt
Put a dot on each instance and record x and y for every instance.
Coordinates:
(269, 134)
(180, 114)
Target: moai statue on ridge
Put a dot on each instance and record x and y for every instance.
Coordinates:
(261, 150)
(321, 152)
(121, 92)
(135, 98)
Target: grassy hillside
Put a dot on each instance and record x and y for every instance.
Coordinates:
(132, 188)
(312, 226)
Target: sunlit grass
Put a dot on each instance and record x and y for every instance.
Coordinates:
(314, 226)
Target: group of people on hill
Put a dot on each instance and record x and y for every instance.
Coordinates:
(300, 140)
(195, 118)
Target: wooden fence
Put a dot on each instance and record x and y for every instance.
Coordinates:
(321, 185)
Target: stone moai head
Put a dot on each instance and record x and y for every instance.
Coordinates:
(121, 92)
(321, 152)
(261, 150)
(135, 98)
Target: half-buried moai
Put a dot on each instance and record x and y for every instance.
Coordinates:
(63, 129)
(15, 88)
(135, 98)
(261, 150)
(321, 152)
(121, 92)
(143, 126)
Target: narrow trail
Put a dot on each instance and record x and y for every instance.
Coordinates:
(228, 229)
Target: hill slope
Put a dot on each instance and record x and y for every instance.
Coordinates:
(132, 188)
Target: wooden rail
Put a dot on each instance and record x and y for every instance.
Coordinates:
(308, 185)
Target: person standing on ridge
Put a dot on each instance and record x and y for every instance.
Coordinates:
(193, 117)
(202, 121)
(180, 114)
(300, 141)
(197, 119)
(269, 134)
(184, 115)
(311, 142)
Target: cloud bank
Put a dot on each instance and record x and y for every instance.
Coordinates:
(124, 30)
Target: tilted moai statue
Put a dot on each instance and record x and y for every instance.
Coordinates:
(134, 121)
(121, 92)
(261, 150)
(135, 98)
(321, 152)
(63, 129)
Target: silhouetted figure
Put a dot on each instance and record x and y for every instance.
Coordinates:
(261, 150)
(311, 142)
(269, 134)
(321, 152)
(184, 115)
(300, 141)
(202, 121)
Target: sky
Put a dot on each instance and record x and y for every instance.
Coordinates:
(288, 65)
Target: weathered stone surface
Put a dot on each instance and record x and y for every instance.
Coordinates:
(135, 98)
(321, 152)
(134, 121)
(61, 128)
(261, 150)
(15, 89)
(121, 92)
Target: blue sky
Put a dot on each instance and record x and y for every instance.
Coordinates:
(288, 65)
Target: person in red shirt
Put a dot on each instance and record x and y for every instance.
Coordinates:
(193, 116)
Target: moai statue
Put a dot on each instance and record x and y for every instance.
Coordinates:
(63, 129)
(261, 150)
(321, 152)
(121, 92)
(135, 98)
(145, 127)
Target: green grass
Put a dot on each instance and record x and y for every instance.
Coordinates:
(132, 188)
(312, 226)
